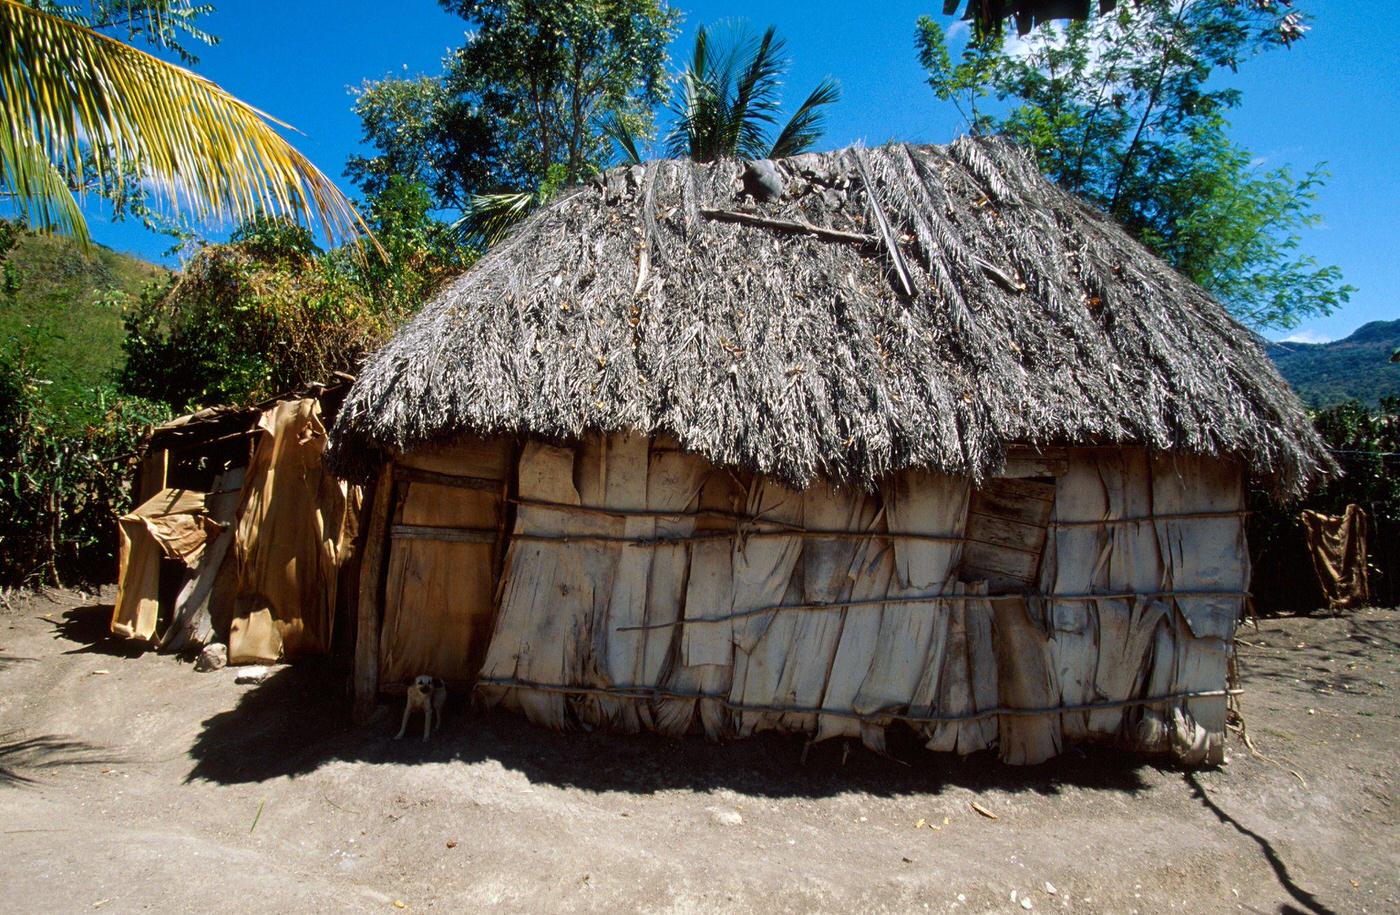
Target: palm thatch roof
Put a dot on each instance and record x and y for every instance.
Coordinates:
(893, 307)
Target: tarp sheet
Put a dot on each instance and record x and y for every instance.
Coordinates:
(1337, 544)
(174, 523)
(291, 531)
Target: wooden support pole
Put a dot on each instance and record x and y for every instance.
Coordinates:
(786, 225)
(369, 608)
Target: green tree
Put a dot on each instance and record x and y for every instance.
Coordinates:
(522, 106)
(549, 74)
(423, 133)
(1128, 111)
(987, 16)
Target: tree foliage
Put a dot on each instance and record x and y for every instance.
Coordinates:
(421, 132)
(1129, 112)
(170, 25)
(269, 312)
(526, 97)
(987, 16)
(549, 74)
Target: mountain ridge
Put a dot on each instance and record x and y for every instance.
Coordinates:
(1357, 367)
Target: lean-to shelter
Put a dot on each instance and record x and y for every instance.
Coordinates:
(902, 436)
(240, 534)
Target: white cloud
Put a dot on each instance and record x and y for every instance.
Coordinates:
(1306, 336)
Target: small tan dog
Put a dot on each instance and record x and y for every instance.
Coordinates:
(427, 695)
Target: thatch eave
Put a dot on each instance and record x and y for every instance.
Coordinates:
(779, 336)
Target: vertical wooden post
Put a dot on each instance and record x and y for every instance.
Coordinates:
(152, 475)
(369, 608)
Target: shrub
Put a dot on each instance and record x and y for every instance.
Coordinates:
(61, 490)
(243, 322)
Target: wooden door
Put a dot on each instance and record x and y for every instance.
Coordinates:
(445, 544)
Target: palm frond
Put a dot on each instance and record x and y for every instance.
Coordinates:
(616, 128)
(38, 190)
(491, 216)
(729, 99)
(197, 147)
(756, 96)
(697, 106)
(808, 123)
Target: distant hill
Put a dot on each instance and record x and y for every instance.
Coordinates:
(1359, 367)
(57, 304)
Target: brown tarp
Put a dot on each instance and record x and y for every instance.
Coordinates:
(291, 531)
(1337, 545)
(174, 523)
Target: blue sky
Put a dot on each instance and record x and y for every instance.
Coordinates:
(1334, 98)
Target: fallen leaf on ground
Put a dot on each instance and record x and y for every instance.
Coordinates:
(984, 811)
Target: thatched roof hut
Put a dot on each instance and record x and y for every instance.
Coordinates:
(912, 437)
(926, 306)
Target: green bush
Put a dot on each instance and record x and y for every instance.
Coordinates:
(264, 314)
(269, 312)
(62, 489)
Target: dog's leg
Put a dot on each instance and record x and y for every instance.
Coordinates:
(439, 702)
(403, 726)
(427, 720)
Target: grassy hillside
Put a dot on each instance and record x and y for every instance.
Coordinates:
(1357, 368)
(62, 309)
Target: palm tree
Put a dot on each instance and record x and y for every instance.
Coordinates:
(730, 97)
(728, 100)
(68, 93)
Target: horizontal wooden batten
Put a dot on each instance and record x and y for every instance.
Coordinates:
(567, 507)
(1006, 533)
(443, 534)
(1003, 566)
(645, 693)
(938, 598)
(795, 533)
(434, 478)
(1146, 519)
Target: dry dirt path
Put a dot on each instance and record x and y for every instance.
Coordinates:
(131, 783)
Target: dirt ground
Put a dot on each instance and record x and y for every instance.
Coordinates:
(131, 783)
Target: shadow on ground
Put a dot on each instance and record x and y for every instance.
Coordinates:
(297, 720)
(22, 758)
(90, 626)
(1309, 902)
